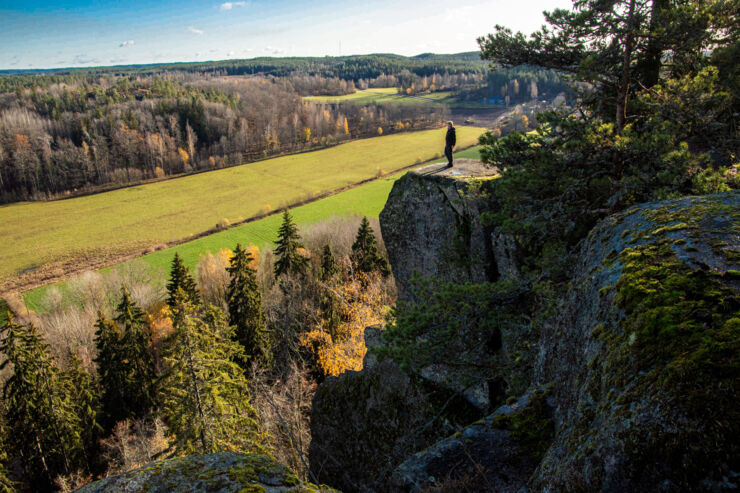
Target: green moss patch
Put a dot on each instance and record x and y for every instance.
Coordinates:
(532, 426)
(682, 329)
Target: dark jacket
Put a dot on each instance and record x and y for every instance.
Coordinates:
(450, 139)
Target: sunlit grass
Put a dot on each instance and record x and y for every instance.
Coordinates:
(365, 200)
(121, 221)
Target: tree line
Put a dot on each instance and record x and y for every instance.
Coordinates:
(190, 364)
(80, 135)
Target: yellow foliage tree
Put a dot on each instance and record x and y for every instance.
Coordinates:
(346, 126)
(380, 130)
(184, 156)
(360, 302)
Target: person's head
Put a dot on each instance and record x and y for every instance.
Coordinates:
(449, 124)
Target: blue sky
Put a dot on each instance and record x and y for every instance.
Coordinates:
(43, 34)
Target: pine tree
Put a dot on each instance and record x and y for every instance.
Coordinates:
(204, 393)
(180, 278)
(329, 267)
(136, 362)
(245, 308)
(289, 260)
(365, 253)
(42, 427)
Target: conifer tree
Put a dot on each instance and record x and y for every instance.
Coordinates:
(82, 387)
(42, 427)
(111, 371)
(289, 260)
(328, 300)
(137, 377)
(6, 485)
(365, 253)
(180, 278)
(245, 308)
(204, 393)
(329, 267)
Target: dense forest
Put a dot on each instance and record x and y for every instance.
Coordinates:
(77, 135)
(353, 67)
(130, 368)
(75, 130)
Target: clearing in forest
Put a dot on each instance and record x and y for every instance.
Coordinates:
(46, 239)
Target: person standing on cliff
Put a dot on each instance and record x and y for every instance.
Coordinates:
(450, 141)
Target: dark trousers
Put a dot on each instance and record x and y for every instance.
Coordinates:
(448, 155)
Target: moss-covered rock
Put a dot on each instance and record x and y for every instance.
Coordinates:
(498, 453)
(430, 227)
(643, 355)
(223, 472)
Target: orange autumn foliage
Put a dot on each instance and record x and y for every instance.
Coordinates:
(360, 302)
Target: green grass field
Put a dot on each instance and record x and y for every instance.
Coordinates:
(367, 200)
(120, 221)
(380, 95)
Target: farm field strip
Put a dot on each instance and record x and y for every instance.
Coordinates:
(365, 200)
(381, 95)
(126, 220)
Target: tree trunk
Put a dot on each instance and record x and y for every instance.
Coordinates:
(649, 67)
(624, 85)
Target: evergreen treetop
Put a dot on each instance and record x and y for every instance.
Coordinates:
(42, 427)
(365, 253)
(289, 259)
(329, 267)
(245, 308)
(205, 396)
(132, 361)
(180, 278)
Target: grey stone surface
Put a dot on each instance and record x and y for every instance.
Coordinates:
(223, 472)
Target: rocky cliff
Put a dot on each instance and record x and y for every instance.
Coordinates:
(630, 385)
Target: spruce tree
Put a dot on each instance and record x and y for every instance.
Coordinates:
(329, 267)
(180, 278)
(42, 427)
(289, 260)
(328, 300)
(245, 308)
(81, 384)
(111, 371)
(136, 362)
(6, 485)
(365, 255)
(204, 393)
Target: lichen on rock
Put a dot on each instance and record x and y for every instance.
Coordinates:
(223, 472)
(643, 355)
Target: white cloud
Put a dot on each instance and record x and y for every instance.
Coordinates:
(231, 5)
(85, 60)
(130, 42)
(231, 53)
(195, 31)
(274, 51)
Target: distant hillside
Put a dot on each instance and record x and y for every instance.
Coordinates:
(346, 67)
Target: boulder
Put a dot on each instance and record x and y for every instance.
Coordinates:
(498, 453)
(222, 472)
(363, 424)
(643, 354)
(430, 227)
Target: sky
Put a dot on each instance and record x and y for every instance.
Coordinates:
(75, 33)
